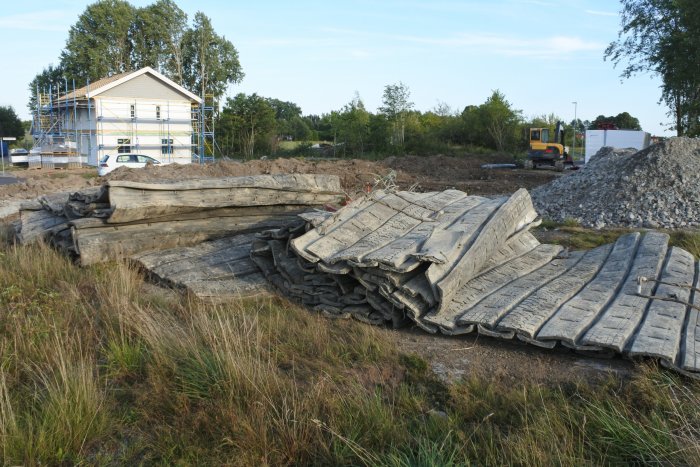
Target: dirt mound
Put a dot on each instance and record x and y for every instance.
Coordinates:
(655, 187)
(33, 183)
(354, 174)
(465, 173)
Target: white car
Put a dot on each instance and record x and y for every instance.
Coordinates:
(110, 162)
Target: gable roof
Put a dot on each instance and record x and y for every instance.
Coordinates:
(105, 84)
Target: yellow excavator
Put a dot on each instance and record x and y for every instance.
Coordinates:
(546, 151)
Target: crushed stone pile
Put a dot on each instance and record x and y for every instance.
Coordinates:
(658, 187)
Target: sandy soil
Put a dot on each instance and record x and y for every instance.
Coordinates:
(450, 357)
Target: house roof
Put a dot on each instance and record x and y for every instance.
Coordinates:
(104, 84)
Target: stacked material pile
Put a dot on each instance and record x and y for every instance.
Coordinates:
(459, 263)
(655, 187)
(124, 218)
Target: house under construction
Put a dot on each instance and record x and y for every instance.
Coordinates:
(140, 112)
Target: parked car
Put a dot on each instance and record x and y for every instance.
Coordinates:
(110, 162)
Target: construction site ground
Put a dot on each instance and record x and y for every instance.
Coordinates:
(451, 358)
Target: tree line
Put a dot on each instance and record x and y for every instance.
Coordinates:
(250, 125)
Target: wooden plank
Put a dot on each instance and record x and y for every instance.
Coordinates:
(490, 282)
(111, 242)
(690, 360)
(489, 310)
(133, 205)
(37, 225)
(230, 289)
(577, 315)
(619, 320)
(528, 316)
(514, 215)
(282, 182)
(660, 333)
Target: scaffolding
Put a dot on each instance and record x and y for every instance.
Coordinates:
(55, 130)
(70, 129)
(203, 131)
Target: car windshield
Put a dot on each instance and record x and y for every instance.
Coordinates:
(104, 158)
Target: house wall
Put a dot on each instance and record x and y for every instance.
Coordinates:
(149, 129)
(158, 128)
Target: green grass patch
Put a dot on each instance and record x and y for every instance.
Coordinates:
(95, 368)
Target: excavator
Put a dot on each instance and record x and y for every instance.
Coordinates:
(545, 152)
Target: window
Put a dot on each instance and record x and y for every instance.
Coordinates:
(157, 112)
(167, 146)
(124, 145)
(133, 110)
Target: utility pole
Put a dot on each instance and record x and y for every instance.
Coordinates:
(573, 149)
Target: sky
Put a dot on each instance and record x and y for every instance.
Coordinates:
(543, 55)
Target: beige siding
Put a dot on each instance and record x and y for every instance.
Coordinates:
(147, 87)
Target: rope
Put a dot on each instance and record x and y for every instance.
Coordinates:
(668, 299)
(642, 279)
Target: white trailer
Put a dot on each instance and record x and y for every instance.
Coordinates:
(621, 139)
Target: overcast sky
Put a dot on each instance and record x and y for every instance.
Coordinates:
(543, 55)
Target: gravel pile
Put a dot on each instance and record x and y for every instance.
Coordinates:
(658, 187)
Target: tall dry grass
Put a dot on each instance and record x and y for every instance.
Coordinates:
(96, 367)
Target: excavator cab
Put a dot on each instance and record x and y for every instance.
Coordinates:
(544, 152)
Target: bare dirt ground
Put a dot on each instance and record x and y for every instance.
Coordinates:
(451, 358)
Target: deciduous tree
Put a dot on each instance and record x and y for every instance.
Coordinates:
(210, 62)
(663, 37)
(396, 105)
(249, 118)
(10, 124)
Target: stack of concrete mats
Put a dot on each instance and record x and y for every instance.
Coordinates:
(123, 218)
(396, 255)
(457, 264)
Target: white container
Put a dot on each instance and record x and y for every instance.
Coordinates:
(620, 139)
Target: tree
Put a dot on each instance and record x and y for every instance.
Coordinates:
(623, 121)
(99, 42)
(246, 119)
(396, 106)
(353, 126)
(10, 124)
(500, 120)
(209, 61)
(50, 76)
(156, 33)
(663, 37)
(112, 36)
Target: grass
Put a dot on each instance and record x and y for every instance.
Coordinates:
(95, 368)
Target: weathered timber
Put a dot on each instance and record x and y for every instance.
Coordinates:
(399, 254)
(110, 242)
(217, 270)
(620, 319)
(577, 315)
(132, 201)
(528, 316)
(491, 309)
(395, 227)
(37, 225)
(514, 215)
(660, 332)
(490, 282)
(690, 352)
